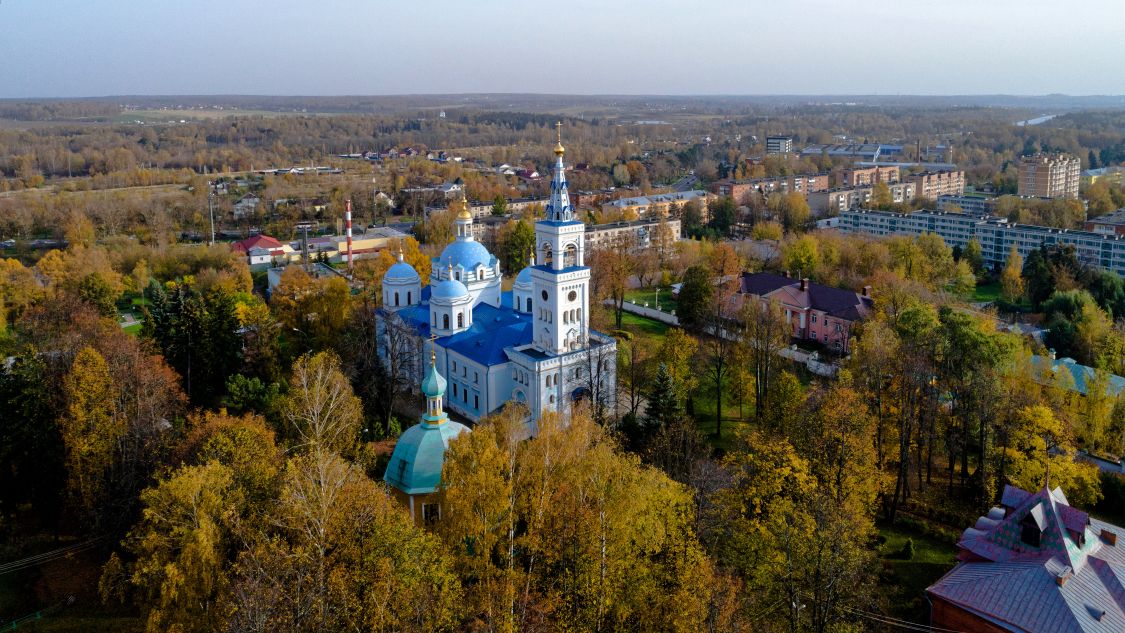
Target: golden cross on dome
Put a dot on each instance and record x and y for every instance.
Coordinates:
(433, 348)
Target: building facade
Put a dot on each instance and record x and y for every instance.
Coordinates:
(866, 176)
(776, 145)
(978, 204)
(1049, 176)
(656, 205)
(803, 183)
(1108, 224)
(814, 311)
(532, 345)
(632, 236)
(996, 235)
(834, 201)
(931, 184)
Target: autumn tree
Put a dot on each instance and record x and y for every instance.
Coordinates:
(611, 270)
(1011, 281)
(320, 410)
(92, 430)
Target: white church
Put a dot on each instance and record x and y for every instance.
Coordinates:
(532, 344)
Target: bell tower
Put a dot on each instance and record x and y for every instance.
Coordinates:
(561, 280)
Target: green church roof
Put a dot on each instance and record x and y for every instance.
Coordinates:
(415, 466)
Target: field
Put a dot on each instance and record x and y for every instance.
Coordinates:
(175, 115)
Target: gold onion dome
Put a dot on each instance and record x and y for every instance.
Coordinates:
(559, 149)
(463, 214)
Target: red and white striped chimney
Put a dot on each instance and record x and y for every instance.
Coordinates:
(348, 223)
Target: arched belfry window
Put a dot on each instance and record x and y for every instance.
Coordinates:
(571, 256)
(445, 321)
(460, 319)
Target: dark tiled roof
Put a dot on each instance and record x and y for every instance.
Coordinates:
(840, 303)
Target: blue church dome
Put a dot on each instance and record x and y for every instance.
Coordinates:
(449, 289)
(415, 466)
(524, 278)
(402, 271)
(466, 253)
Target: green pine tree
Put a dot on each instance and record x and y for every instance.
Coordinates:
(663, 407)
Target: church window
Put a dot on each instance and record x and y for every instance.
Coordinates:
(476, 401)
(396, 297)
(431, 512)
(445, 321)
(476, 378)
(454, 390)
(464, 371)
(572, 296)
(465, 396)
(409, 297)
(544, 295)
(579, 314)
(529, 304)
(566, 317)
(460, 319)
(454, 365)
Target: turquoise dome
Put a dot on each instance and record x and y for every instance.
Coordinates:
(524, 278)
(402, 271)
(415, 466)
(433, 385)
(449, 289)
(466, 253)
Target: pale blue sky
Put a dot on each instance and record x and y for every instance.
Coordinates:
(61, 48)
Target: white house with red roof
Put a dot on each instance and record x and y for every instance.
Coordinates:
(263, 250)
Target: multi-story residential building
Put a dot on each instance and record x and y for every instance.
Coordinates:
(483, 208)
(931, 184)
(779, 145)
(865, 176)
(978, 204)
(1108, 224)
(804, 183)
(842, 199)
(996, 235)
(1049, 176)
(816, 312)
(655, 205)
(631, 236)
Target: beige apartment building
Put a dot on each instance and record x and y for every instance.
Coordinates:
(867, 176)
(1049, 176)
(931, 184)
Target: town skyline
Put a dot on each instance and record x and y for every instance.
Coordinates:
(805, 48)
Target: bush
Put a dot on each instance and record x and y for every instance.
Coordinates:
(907, 551)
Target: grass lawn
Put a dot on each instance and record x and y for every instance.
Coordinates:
(134, 329)
(986, 293)
(641, 296)
(904, 581)
(643, 326)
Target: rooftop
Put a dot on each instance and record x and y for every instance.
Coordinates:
(1037, 564)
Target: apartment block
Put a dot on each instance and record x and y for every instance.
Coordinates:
(866, 176)
(1049, 176)
(931, 184)
(630, 236)
(804, 183)
(844, 198)
(977, 204)
(1108, 224)
(996, 235)
(779, 145)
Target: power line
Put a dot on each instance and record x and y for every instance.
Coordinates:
(46, 557)
(886, 619)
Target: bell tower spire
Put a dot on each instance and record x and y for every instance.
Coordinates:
(560, 279)
(558, 207)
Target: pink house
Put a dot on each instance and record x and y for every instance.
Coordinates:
(817, 312)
